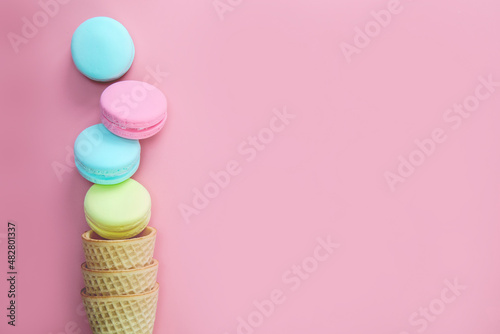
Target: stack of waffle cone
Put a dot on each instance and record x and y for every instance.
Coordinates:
(121, 291)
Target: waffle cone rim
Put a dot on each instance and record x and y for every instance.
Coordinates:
(149, 266)
(121, 297)
(86, 237)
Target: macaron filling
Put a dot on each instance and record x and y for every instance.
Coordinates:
(118, 232)
(131, 128)
(110, 177)
(114, 172)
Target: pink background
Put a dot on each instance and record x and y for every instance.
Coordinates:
(323, 175)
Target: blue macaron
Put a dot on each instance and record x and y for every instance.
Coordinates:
(104, 158)
(102, 49)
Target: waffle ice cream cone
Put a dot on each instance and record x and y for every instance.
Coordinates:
(119, 282)
(132, 314)
(134, 253)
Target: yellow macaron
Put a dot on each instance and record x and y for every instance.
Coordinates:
(118, 211)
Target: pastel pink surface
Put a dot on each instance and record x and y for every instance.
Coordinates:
(323, 174)
(133, 109)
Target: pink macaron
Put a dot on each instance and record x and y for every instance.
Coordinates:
(133, 109)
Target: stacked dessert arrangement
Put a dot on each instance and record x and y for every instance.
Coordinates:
(121, 292)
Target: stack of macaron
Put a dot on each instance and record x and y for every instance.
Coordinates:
(121, 291)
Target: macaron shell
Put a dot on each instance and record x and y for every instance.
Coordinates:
(104, 158)
(102, 49)
(118, 211)
(133, 109)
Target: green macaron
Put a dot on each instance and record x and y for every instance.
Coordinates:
(118, 211)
